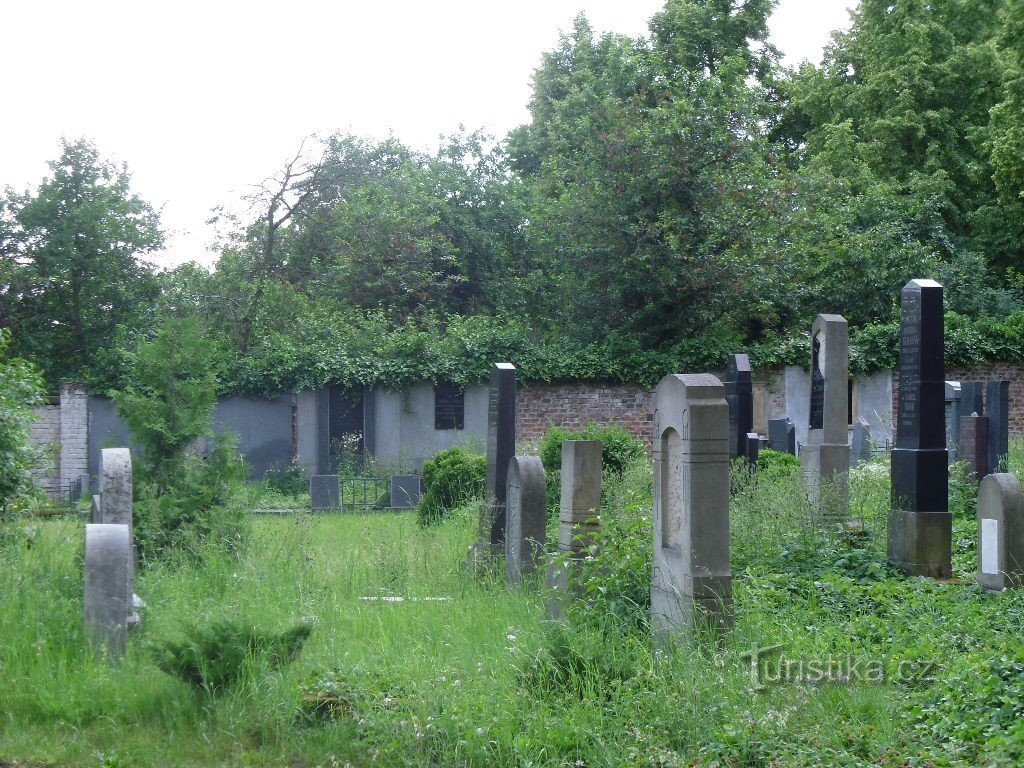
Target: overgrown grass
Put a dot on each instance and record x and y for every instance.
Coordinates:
(480, 678)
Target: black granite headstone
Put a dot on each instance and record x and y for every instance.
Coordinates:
(739, 394)
(753, 447)
(920, 526)
(974, 439)
(997, 408)
(817, 414)
(971, 398)
(782, 435)
(501, 446)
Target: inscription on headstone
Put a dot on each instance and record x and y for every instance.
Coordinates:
(501, 447)
(691, 586)
(527, 517)
(449, 407)
(1000, 532)
(920, 526)
(739, 394)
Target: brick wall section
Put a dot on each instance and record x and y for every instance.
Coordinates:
(46, 436)
(540, 406)
(74, 433)
(1011, 372)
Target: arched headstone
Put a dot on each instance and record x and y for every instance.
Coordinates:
(108, 598)
(691, 583)
(526, 517)
(1000, 532)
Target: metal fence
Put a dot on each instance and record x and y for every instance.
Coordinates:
(362, 494)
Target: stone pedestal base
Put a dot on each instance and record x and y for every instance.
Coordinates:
(826, 467)
(921, 543)
(696, 605)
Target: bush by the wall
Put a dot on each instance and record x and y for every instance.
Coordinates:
(453, 477)
(618, 450)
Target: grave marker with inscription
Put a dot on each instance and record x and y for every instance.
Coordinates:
(501, 447)
(953, 398)
(782, 435)
(920, 525)
(324, 492)
(739, 394)
(1000, 533)
(691, 585)
(974, 444)
(527, 517)
(826, 456)
(997, 409)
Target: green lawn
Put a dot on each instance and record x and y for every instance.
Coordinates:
(482, 679)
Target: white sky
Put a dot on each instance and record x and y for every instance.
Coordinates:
(203, 99)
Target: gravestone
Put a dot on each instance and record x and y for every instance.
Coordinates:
(753, 447)
(579, 520)
(1000, 533)
(96, 509)
(84, 486)
(974, 444)
(739, 394)
(108, 595)
(782, 435)
(691, 584)
(324, 492)
(501, 447)
(405, 491)
(920, 525)
(997, 410)
(860, 444)
(826, 455)
(953, 395)
(526, 517)
(972, 395)
(116, 486)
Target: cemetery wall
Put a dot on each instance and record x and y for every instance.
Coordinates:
(46, 435)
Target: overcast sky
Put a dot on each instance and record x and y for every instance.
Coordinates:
(203, 99)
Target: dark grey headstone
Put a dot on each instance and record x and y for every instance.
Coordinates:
(501, 447)
(782, 435)
(739, 394)
(108, 595)
(920, 526)
(405, 491)
(972, 394)
(953, 399)
(997, 409)
(860, 445)
(974, 444)
(1000, 533)
(753, 448)
(527, 517)
(324, 492)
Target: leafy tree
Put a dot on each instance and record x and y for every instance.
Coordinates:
(21, 389)
(75, 272)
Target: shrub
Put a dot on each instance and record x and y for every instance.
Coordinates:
(453, 477)
(777, 463)
(618, 446)
(289, 480)
(213, 657)
(20, 390)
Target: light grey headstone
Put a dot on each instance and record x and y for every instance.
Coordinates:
(324, 492)
(860, 446)
(405, 491)
(1000, 533)
(826, 455)
(526, 517)
(953, 394)
(108, 595)
(579, 512)
(116, 486)
(691, 584)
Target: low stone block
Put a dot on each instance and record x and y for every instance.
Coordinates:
(1000, 533)
(406, 491)
(324, 492)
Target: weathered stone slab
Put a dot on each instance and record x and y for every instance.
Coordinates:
(578, 515)
(406, 491)
(739, 394)
(108, 596)
(860, 444)
(324, 492)
(997, 409)
(1000, 533)
(526, 517)
(920, 526)
(782, 435)
(826, 456)
(501, 447)
(116, 486)
(691, 585)
(974, 444)
(953, 400)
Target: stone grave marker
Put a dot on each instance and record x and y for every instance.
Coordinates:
(753, 447)
(691, 585)
(997, 410)
(108, 594)
(920, 525)
(739, 394)
(826, 456)
(1000, 533)
(860, 445)
(972, 398)
(501, 447)
(974, 444)
(579, 512)
(953, 395)
(526, 517)
(116, 486)
(324, 492)
(406, 491)
(782, 435)
(96, 509)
